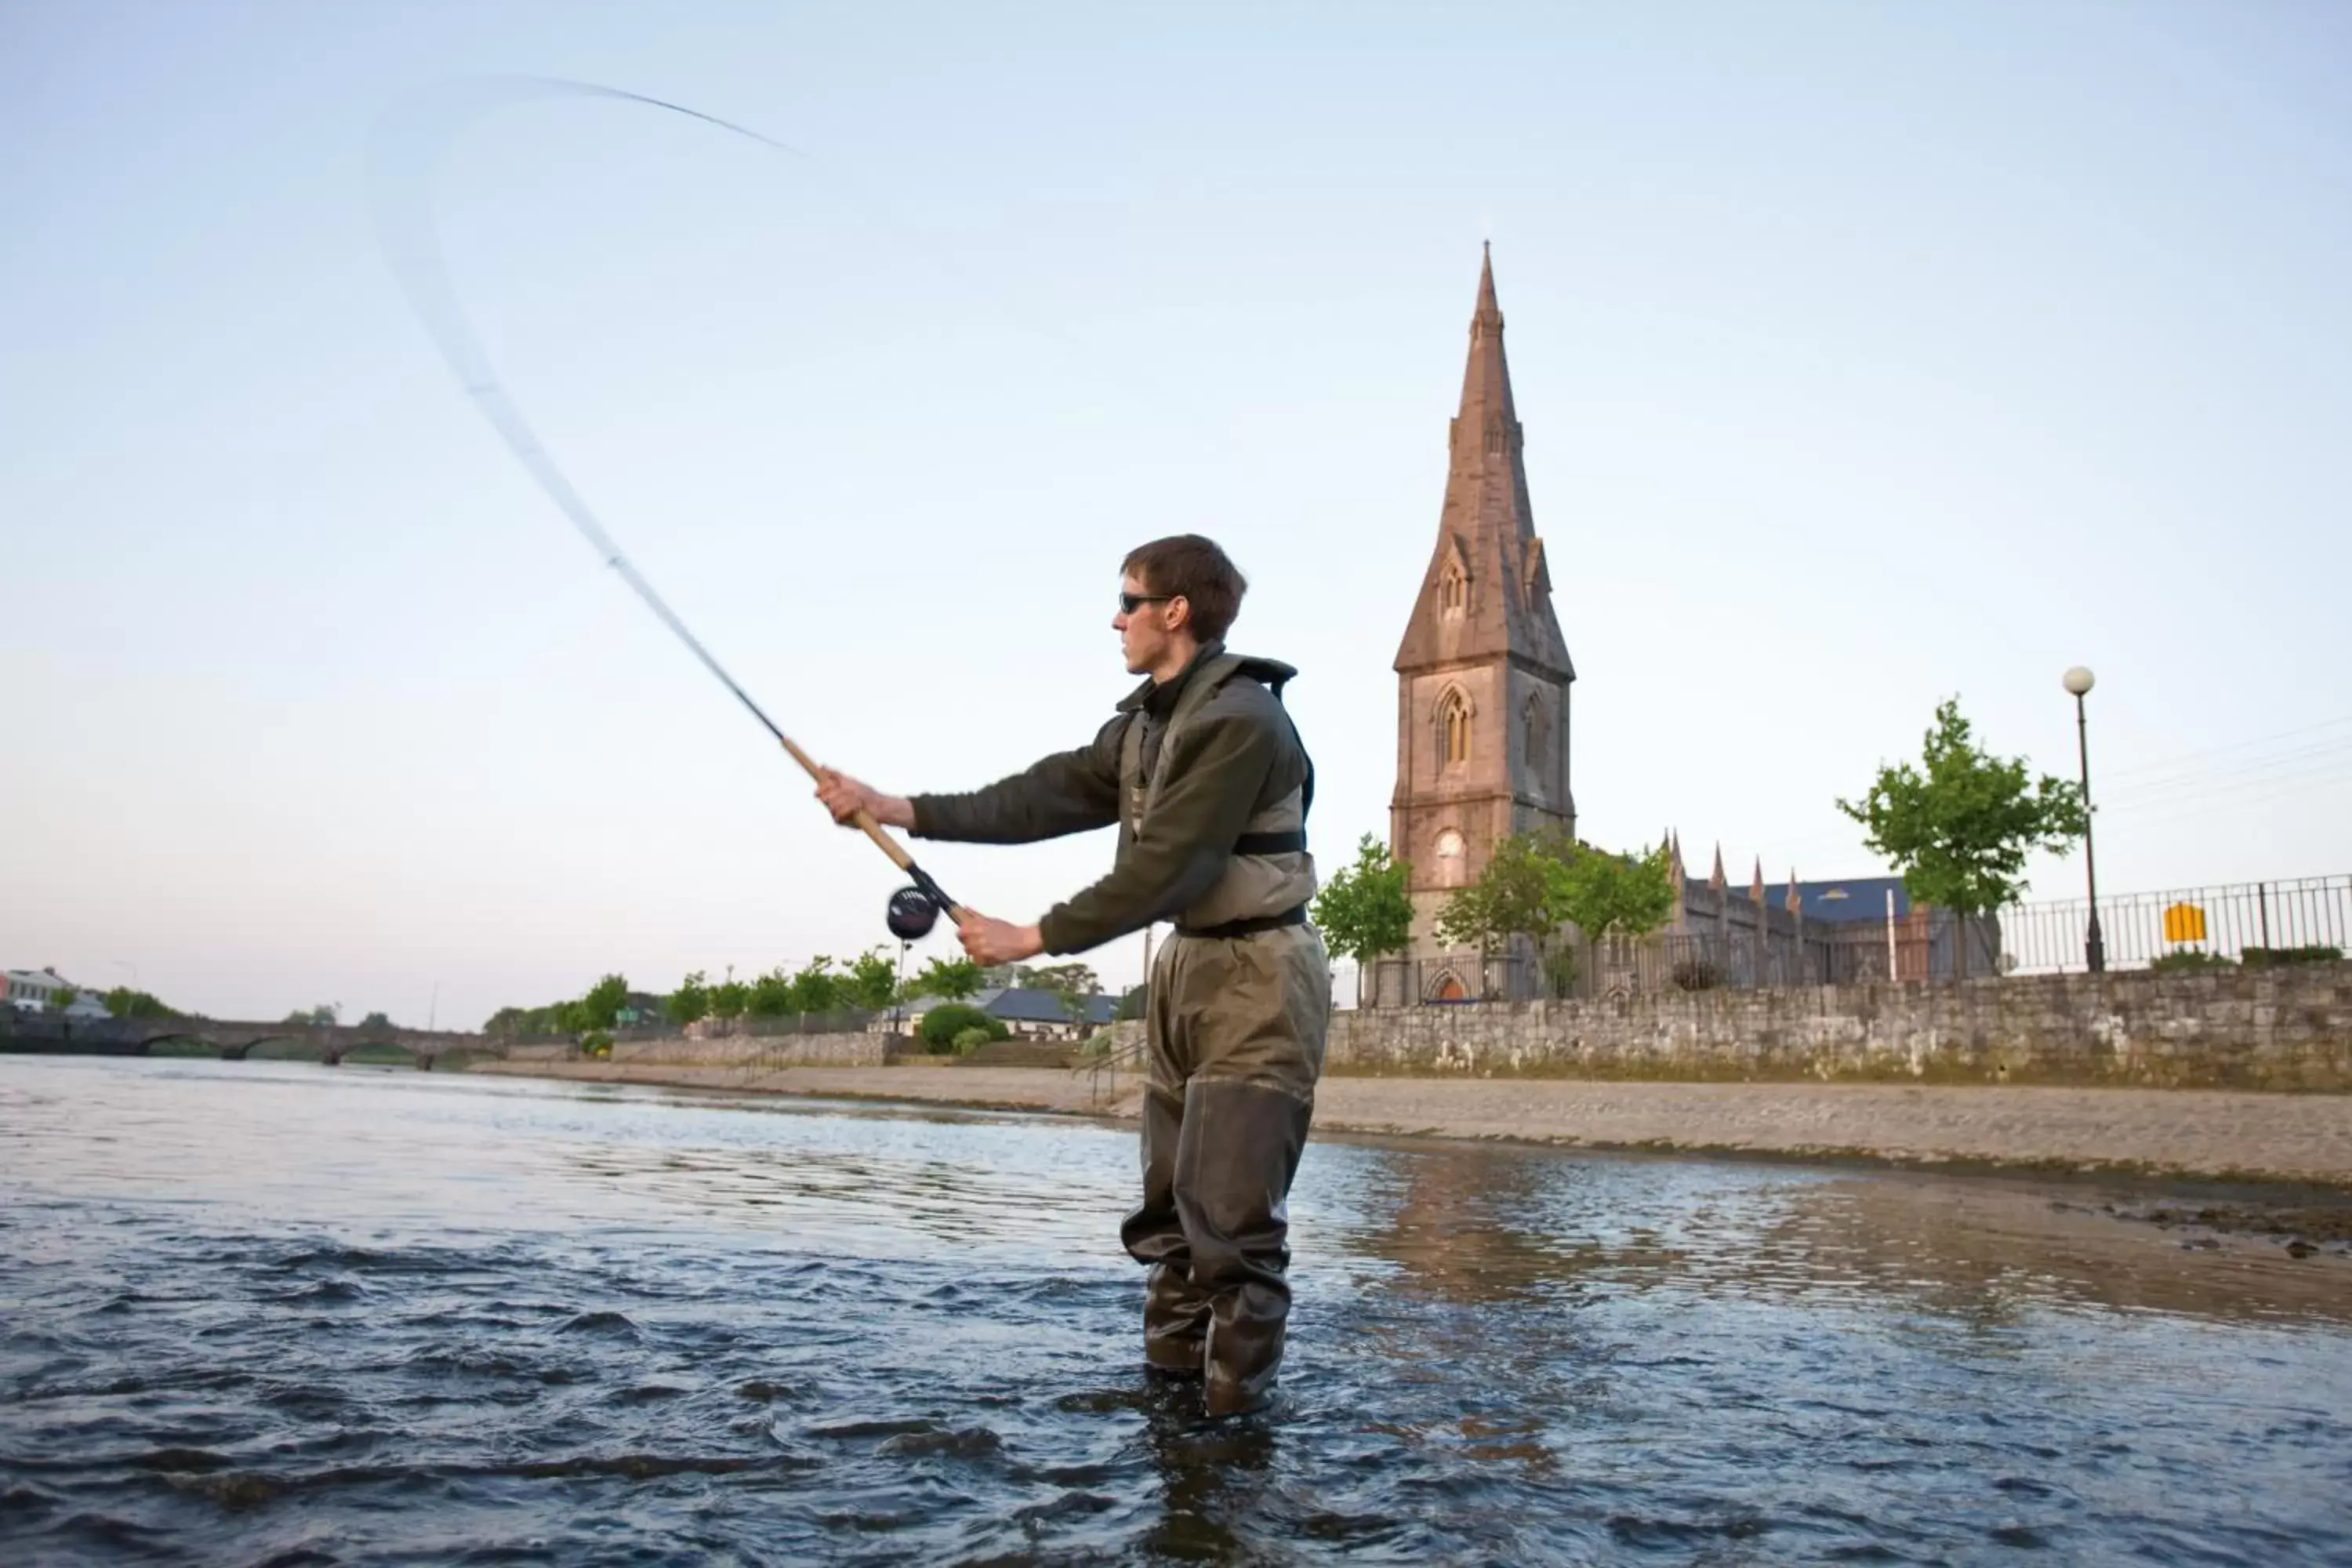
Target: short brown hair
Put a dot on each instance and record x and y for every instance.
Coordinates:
(1187, 566)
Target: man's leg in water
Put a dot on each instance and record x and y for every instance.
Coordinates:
(1249, 1016)
(1175, 1312)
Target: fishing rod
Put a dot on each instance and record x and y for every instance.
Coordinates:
(401, 181)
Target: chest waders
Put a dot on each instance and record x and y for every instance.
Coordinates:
(1236, 1011)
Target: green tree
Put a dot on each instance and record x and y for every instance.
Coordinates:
(1610, 894)
(942, 1025)
(1363, 912)
(1517, 894)
(64, 997)
(375, 1021)
(690, 1001)
(953, 978)
(872, 980)
(125, 1003)
(731, 998)
(602, 1006)
(1131, 1003)
(770, 996)
(1960, 825)
(816, 987)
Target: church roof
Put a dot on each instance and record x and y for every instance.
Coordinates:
(1487, 591)
(1830, 903)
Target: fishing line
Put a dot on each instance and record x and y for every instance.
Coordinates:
(404, 155)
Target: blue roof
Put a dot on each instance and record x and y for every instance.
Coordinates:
(1027, 1005)
(1855, 898)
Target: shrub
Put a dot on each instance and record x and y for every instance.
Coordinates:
(970, 1040)
(943, 1024)
(1696, 974)
(2272, 957)
(595, 1043)
(1559, 971)
(2188, 961)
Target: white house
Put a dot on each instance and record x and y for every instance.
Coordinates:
(36, 991)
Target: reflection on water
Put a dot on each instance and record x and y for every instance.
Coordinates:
(260, 1311)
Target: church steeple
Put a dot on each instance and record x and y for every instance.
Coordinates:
(1487, 592)
(1483, 710)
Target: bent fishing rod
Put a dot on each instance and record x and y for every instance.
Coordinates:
(401, 164)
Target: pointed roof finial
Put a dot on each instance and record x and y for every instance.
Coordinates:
(1756, 884)
(1718, 879)
(1794, 902)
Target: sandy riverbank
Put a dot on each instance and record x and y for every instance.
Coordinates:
(2177, 1134)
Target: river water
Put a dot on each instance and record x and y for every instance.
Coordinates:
(261, 1312)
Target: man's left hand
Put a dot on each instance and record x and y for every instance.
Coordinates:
(987, 941)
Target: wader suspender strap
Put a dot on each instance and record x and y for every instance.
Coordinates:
(1204, 686)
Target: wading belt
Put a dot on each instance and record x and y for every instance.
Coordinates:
(1232, 929)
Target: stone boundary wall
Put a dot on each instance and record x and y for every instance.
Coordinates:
(770, 1053)
(2282, 1028)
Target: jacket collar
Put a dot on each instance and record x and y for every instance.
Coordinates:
(1159, 698)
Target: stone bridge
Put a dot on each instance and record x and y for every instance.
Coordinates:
(22, 1031)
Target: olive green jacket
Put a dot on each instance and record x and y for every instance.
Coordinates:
(1237, 755)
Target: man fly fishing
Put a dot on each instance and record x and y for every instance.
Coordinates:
(1203, 774)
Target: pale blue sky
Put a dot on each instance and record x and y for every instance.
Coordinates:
(1867, 354)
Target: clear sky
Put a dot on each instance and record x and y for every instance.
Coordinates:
(1867, 355)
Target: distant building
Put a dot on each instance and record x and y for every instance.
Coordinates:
(1483, 673)
(1860, 928)
(34, 989)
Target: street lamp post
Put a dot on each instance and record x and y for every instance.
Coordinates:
(899, 988)
(2094, 948)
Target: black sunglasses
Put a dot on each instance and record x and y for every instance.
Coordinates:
(1130, 603)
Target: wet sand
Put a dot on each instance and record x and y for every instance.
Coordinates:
(2296, 1138)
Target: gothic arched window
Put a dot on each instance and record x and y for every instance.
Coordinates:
(1454, 726)
(1535, 732)
(1452, 590)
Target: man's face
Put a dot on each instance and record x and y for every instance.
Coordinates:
(1148, 631)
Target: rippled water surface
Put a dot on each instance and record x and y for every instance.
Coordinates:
(257, 1312)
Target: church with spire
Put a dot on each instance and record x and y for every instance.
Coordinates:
(1484, 744)
(1483, 673)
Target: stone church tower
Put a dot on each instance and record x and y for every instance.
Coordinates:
(1483, 673)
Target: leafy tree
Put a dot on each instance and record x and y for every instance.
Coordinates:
(771, 995)
(1517, 894)
(1076, 978)
(954, 978)
(1131, 1003)
(816, 988)
(64, 997)
(690, 1001)
(1610, 894)
(1363, 911)
(872, 980)
(1960, 825)
(603, 1005)
(125, 1003)
(941, 1024)
(731, 998)
(375, 1021)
